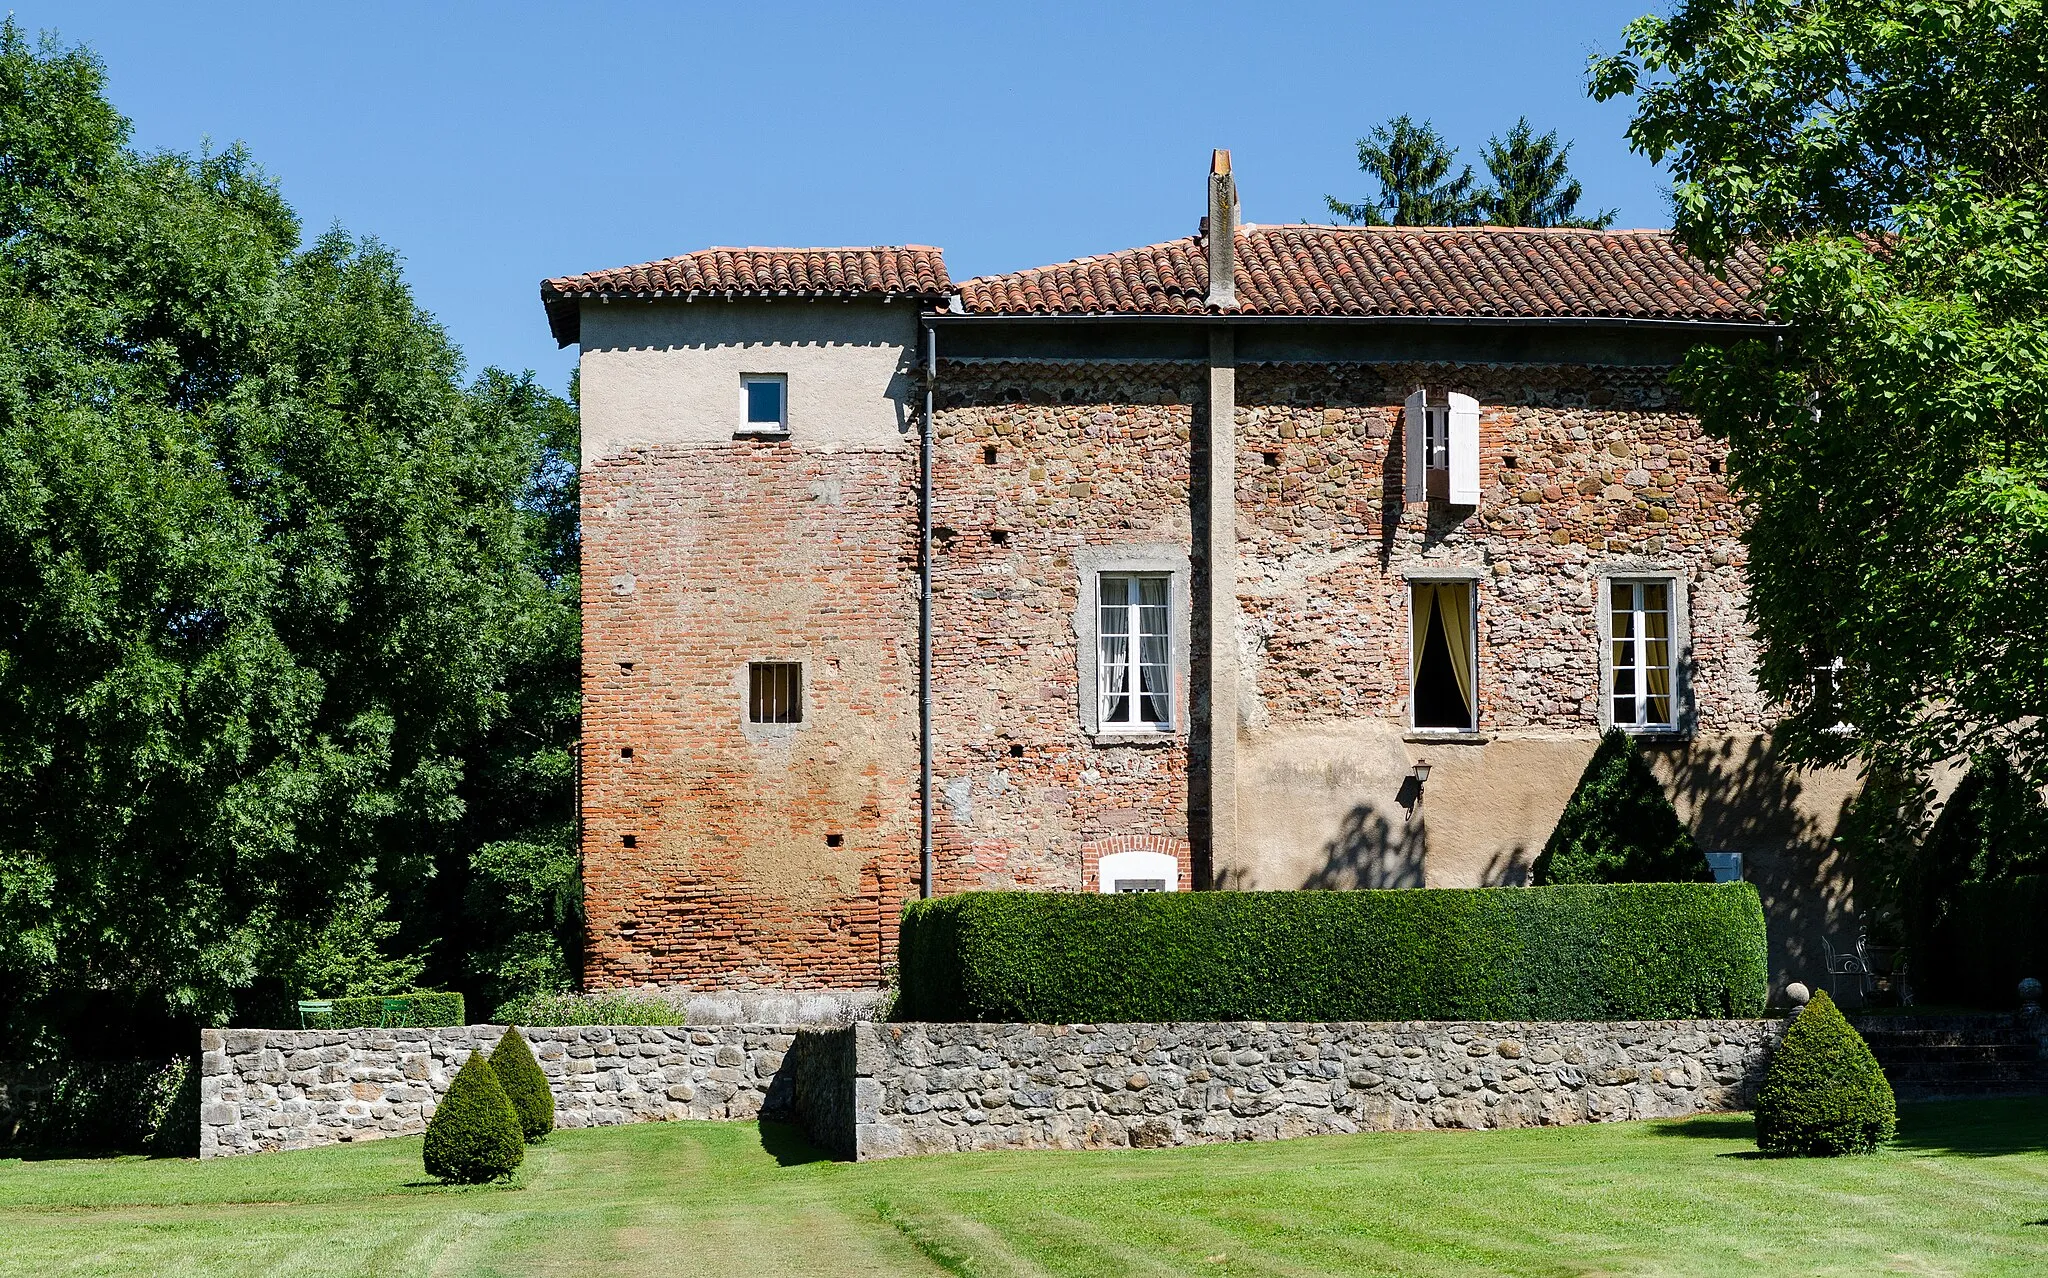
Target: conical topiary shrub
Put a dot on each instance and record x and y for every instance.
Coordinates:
(1618, 827)
(474, 1135)
(524, 1084)
(1823, 1093)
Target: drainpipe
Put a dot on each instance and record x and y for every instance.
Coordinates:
(924, 619)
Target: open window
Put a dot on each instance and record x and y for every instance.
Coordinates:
(1442, 651)
(1442, 455)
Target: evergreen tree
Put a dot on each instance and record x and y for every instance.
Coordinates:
(474, 1135)
(1532, 182)
(1412, 166)
(525, 1084)
(1823, 1093)
(1620, 827)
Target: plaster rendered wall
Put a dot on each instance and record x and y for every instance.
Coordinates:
(764, 856)
(667, 372)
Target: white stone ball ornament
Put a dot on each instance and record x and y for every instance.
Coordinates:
(1797, 994)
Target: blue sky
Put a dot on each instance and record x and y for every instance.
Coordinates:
(493, 145)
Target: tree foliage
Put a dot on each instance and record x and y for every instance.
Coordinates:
(1887, 159)
(526, 1086)
(1532, 182)
(1412, 166)
(285, 605)
(1619, 826)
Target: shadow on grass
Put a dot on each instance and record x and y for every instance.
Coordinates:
(1718, 1127)
(1975, 1128)
(785, 1143)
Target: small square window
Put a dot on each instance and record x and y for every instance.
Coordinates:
(767, 402)
(775, 692)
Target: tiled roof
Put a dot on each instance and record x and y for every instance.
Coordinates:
(911, 271)
(1503, 272)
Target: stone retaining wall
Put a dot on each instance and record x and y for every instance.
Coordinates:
(922, 1089)
(881, 1090)
(290, 1089)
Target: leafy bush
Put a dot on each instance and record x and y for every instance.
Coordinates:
(1583, 952)
(1823, 1093)
(604, 1008)
(474, 1135)
(134, 1106)
(425, 1008)
(525, 1085)
(1619, 827)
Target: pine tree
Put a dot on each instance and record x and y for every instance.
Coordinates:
(1620, 827)
(1412, 166)
(1532, 182)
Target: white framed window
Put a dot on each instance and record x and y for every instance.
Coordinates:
(1443, 667)
(766, 403)
(1442, 453)
(1134, 663)
(1642, 674)
(1126, 872)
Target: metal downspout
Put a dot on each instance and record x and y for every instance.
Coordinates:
(924, 619)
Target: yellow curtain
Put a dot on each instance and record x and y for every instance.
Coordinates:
(1454, 602)
(1657, 650)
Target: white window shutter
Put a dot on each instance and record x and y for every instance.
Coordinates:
(1464, 450)
(1412, 431)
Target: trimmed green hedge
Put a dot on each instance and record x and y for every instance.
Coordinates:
(1823, 1093)
(1598, 952)
(422, 1009)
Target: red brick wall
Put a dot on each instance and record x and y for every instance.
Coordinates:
(748, 551)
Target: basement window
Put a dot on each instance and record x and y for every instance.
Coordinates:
(1124, 873)
(767, 403)
(775, 691)
(1442, 656)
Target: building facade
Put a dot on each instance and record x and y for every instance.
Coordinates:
(1273, 557)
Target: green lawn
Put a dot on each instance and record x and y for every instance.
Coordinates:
(1965, 1191)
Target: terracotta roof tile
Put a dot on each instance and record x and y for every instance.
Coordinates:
(911, 271)
(1505, 272)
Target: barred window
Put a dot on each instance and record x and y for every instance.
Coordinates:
(775, 691)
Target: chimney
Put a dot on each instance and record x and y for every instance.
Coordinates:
(1222, 228)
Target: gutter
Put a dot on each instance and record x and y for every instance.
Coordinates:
(924, 620)
(1212, 319)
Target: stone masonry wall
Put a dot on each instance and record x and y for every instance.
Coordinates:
(923, 1089)
(719, 853)
(262, 1090)
(1032, 465)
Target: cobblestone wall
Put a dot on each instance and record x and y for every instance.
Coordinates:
(290, 1089)
(923, 1089)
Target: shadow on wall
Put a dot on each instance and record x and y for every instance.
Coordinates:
(1740, 795)
(1372, 850)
